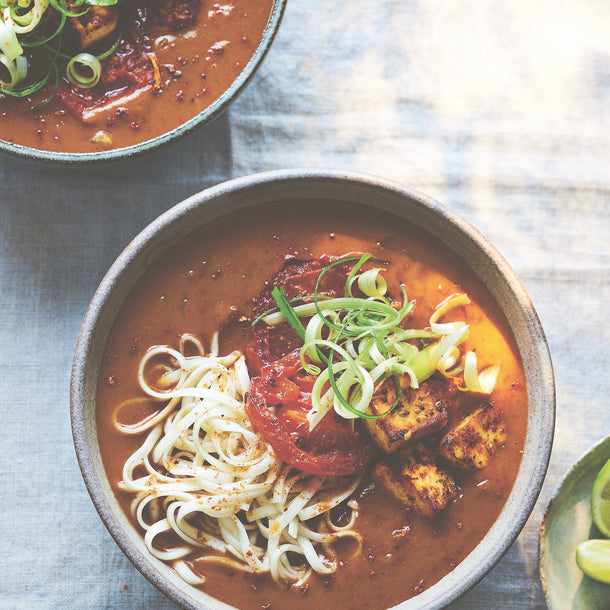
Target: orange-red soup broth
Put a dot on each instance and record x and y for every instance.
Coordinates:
(207, 283)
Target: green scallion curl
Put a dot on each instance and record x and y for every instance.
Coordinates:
(84, 70)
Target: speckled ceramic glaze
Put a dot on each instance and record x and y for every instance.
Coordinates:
(250, 192)
(207, 115)
(567, 523)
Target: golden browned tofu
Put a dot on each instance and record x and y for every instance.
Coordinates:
(420, 412)
(413, 476)
(473, 441)
(97, 23)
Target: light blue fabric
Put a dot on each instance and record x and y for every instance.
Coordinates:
(501, 110)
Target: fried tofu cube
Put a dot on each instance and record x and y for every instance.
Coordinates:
(97, 23)
(414, 477)
(472, 443)
(420, 412)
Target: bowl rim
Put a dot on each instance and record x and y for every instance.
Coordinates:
(530, 478)
(216, 108)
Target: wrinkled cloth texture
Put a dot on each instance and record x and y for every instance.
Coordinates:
(500, 110)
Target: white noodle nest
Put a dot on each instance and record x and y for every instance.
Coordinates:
(203, 473)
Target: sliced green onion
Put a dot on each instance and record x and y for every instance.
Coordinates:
(288, 312)
(313, 334)
(9, 44)
(372, 283)
(449, 364)
(347, 403)
(387, 314)
(23, 23)
(482, 382)
(426, 361)
(354, 344)
(17, 70)
(84, 70)
(38, 25)
(454, 301)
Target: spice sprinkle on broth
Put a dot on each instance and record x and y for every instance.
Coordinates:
(206, 437)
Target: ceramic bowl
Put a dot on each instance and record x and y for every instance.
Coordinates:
(204, 117)
(418, 209)
(567, 522)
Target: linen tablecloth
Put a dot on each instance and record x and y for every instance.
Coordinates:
(501, 110)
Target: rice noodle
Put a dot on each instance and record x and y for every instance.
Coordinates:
(205, 475)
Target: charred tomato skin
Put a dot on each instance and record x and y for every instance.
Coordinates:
(277, 404)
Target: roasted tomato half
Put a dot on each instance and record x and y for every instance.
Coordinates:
(277, 405)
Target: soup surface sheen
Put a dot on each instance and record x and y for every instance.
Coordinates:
(196, 64)
(207, 283)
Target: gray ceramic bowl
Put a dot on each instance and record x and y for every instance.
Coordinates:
(246, 192)
(207, 115)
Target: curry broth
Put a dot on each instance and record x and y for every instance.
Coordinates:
(197, 65)
(207, 282)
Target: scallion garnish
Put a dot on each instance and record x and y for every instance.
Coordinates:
(84, 70)
(279, 296)
(353, 344)
(36, 26)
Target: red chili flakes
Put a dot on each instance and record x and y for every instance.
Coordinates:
(111, 380)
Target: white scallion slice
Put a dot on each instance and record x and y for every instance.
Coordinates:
(426, 361)
(84, 70)
(22, 23)
(372, 283)
(17, 70)
(474, 381)
(442, 309)
(313, 333)
(11, 49)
